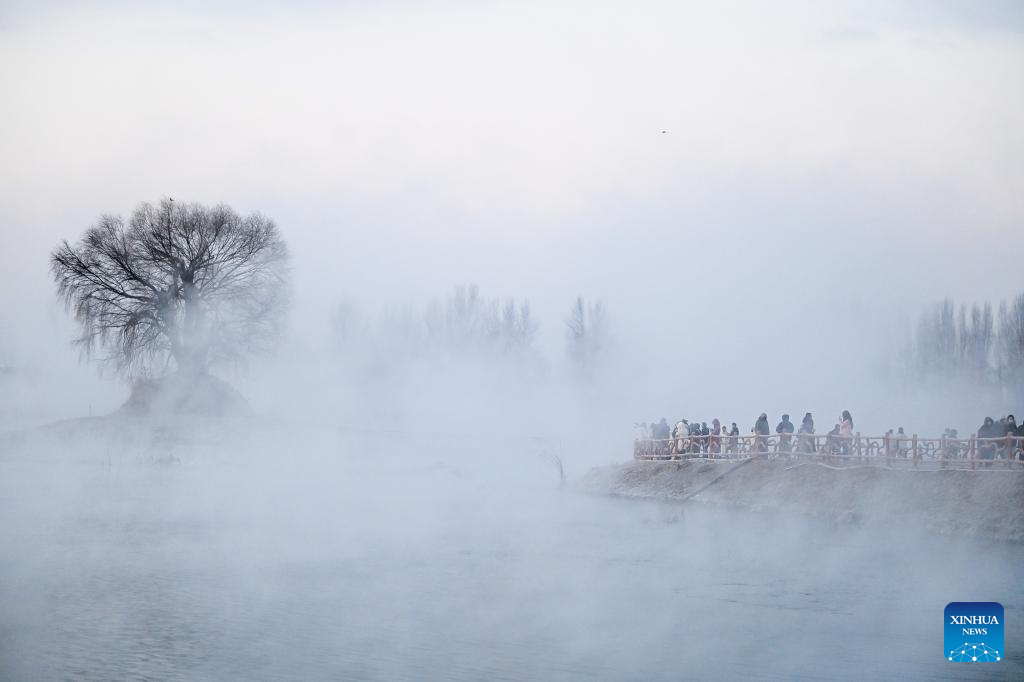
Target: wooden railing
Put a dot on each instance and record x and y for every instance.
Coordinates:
(895, 448)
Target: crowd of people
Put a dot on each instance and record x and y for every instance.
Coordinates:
(697, 437)
(1006, 435)
(687, 437)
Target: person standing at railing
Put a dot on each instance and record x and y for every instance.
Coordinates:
(902, 442)
(678, 436)
(660, 434)
(807, 434)
(832, 446)
(762, 431)
(953, 449)
(715, 441)
(1007, 430)
(785, 430)
(734, 435)
(846, 431)
(1000, 432)
(987, 448)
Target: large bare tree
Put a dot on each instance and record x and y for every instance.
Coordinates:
(180, 283)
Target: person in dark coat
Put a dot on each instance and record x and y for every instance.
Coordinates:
(660, 434)
(761, 430)
(987, 449)
(785, 430)
(832, 444)
(1019, 444)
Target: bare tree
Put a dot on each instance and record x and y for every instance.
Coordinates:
(586, 334)
(180, 283)
(1010, 344)
(962, 340)
(518, 327)
(346, 324)
(937, 339)
(945, 337)
(981, 337)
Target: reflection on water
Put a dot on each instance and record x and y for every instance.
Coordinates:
(303, 570)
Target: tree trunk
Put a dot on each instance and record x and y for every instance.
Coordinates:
(192, 358)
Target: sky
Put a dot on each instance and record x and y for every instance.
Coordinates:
(745, 185)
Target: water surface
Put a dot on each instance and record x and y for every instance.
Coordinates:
(402, 566)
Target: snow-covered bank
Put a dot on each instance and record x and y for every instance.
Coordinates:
(981, 503)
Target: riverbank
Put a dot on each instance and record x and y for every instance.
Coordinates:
(981, 503)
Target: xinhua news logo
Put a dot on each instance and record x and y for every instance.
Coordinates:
(974, 632)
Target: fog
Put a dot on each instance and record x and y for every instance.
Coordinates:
(268, 553)
(803, 180)
(762, 200)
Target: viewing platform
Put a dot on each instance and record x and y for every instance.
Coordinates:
(895, 451)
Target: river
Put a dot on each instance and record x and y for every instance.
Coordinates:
(413, 568)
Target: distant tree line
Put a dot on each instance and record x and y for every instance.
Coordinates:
(467, 323)
(466, 320)
(463, 322)
(957, 342)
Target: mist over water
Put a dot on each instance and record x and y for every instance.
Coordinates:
(752, 205)
(363, 558)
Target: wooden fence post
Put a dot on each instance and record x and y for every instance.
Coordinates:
(914, 446)
(856, 444)
(972, 450)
